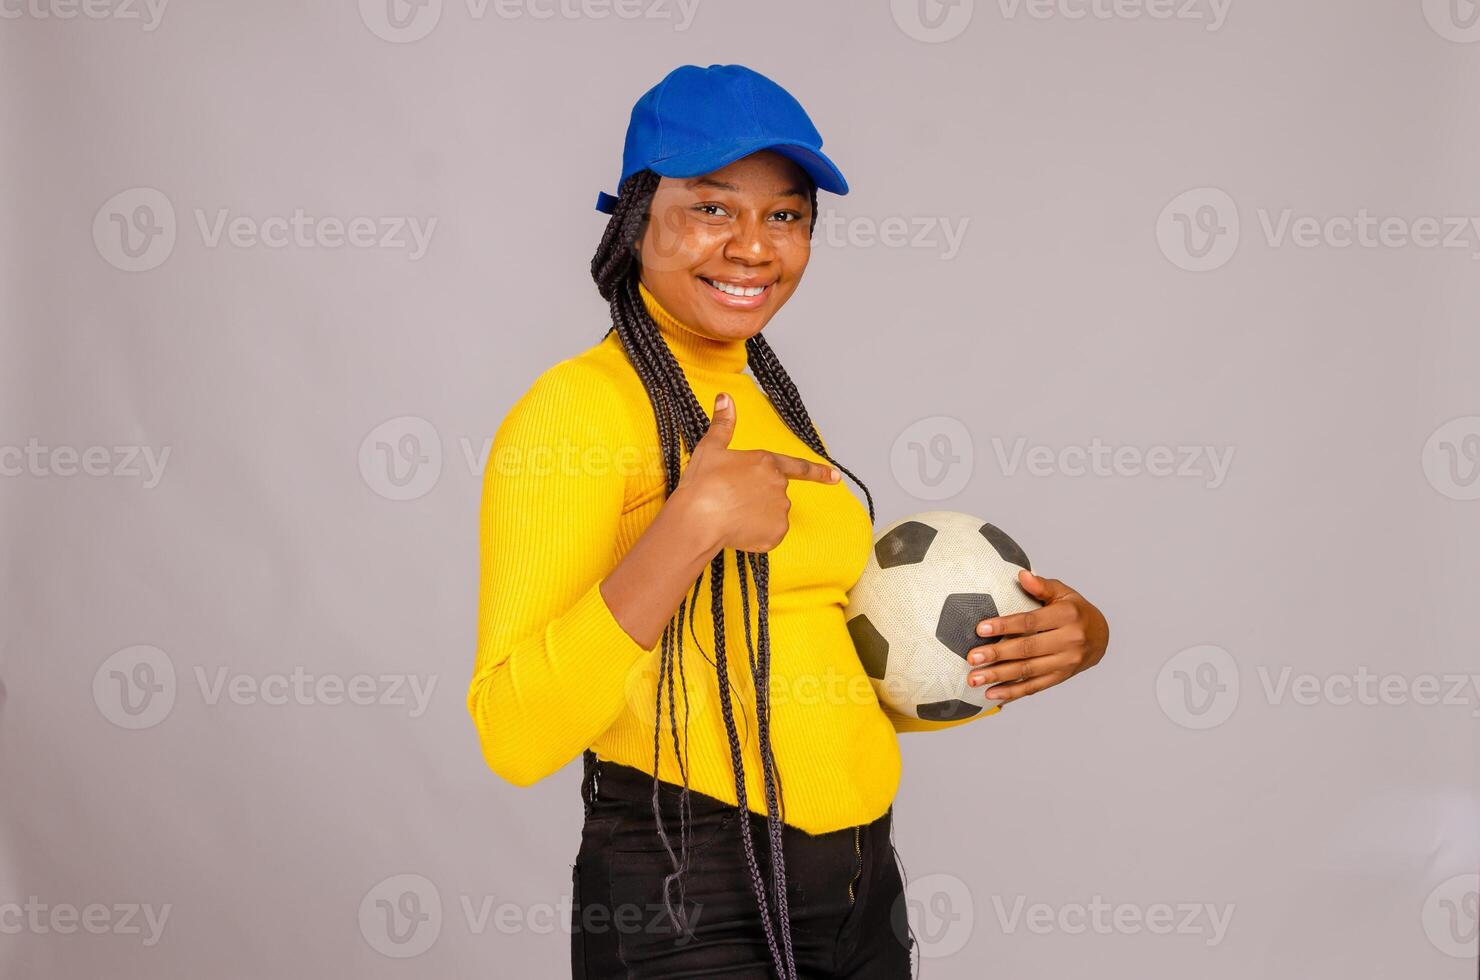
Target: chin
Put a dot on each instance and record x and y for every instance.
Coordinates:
(739, 327)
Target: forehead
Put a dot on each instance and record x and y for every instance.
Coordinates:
(762, 174)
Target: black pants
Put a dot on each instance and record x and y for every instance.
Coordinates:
(844, 891)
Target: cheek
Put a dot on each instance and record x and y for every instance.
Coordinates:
(676, 245)
(794, 256)
(794, 248)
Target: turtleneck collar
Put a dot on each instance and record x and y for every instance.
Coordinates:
(694, 349)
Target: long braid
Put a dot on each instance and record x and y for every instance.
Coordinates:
(782, 956)
(763, 730)
(681, 423)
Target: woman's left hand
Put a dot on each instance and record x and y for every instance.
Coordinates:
(1041, 648)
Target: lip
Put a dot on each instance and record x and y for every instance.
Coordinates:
(730, 302)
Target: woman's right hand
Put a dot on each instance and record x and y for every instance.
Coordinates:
(738, 496)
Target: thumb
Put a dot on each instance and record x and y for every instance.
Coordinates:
(722, 426)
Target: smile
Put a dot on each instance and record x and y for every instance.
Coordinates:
(733, 290)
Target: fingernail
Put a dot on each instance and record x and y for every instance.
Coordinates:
(974, 680)
(985, 629)
(834, 474)
(977, 658)
(722, 402)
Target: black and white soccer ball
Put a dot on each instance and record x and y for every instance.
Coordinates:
(913, 612)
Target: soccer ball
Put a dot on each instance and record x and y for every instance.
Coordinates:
(913, 612)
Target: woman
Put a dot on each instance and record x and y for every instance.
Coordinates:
(627, 534)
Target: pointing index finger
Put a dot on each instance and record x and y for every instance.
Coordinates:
(795, 468)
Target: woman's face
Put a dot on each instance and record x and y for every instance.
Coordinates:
(723, 252)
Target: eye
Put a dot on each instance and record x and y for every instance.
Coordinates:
(787, 216)
(710, 209)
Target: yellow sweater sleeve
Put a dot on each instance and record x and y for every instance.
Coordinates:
(552, 663)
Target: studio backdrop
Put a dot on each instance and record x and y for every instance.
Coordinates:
(1181, 294)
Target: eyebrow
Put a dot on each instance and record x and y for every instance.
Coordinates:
(725, 186)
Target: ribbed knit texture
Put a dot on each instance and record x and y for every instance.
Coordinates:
(574, 477)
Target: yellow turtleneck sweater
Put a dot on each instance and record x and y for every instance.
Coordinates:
(573, 479)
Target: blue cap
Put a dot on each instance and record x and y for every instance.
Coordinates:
(697, 120)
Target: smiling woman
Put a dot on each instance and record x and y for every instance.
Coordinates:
(588, 579)
(694, 860)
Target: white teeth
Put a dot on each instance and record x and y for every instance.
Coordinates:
(725, 287)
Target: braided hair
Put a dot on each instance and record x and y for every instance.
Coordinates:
(681, 423)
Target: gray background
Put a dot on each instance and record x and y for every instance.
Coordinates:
(1339, 834)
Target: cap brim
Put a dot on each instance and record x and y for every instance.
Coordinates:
(824, 172)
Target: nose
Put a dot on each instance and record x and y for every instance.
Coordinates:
(749, 243)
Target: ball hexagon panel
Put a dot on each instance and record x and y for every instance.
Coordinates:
(1006, 547)
(873, 649)
(906, 544)
(951, 710)
(959, 614)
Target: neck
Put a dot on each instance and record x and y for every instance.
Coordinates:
(692, 348)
